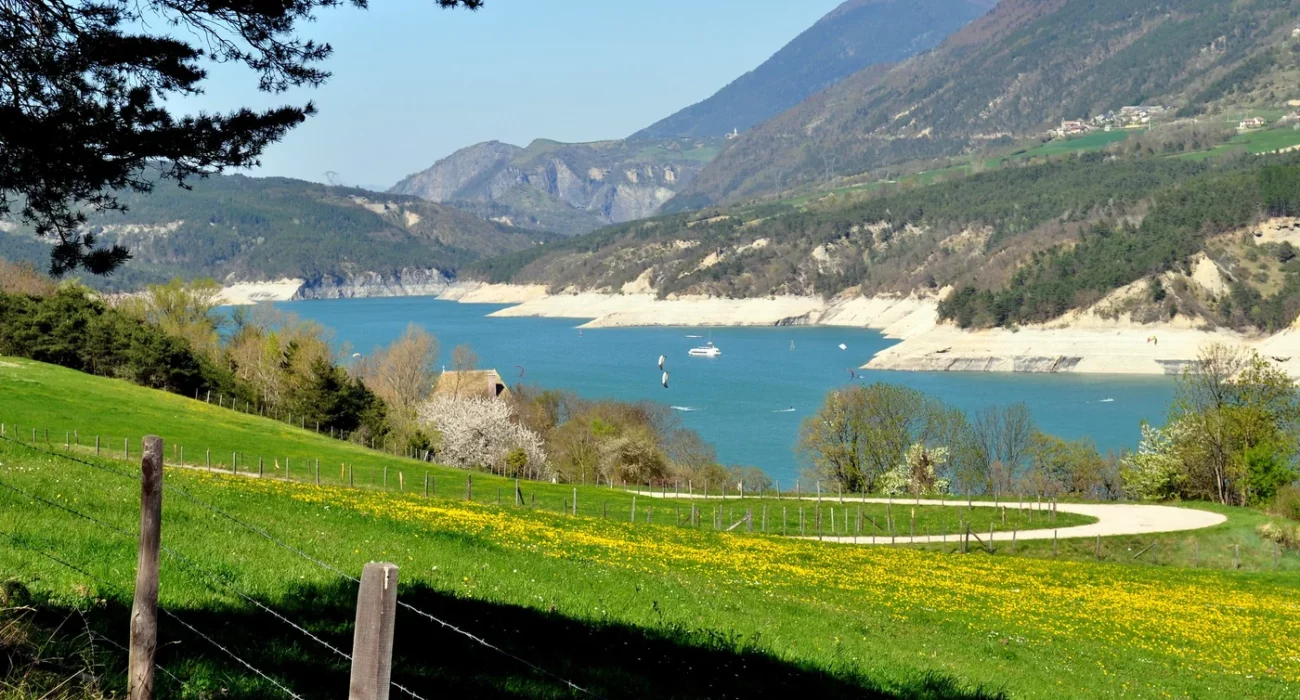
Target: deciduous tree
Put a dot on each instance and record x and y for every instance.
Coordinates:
(402, 374)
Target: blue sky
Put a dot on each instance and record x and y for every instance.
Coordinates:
(413, 83)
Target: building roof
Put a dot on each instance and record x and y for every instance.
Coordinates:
(485, 383)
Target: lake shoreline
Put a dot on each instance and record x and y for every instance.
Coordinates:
(1081, 343)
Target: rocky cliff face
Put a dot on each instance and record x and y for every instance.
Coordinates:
(566, 188)
(445, 180)
(407, 283)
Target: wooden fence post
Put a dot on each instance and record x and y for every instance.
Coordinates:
(144, 609)
(575, 501)
(96, 445)
(1097, 552)
(1236, 556)
(469, 486)
(372, 638)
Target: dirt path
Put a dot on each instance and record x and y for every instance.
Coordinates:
(1112, 519)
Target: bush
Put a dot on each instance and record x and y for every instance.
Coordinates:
(1284, 534)
(1287, 503)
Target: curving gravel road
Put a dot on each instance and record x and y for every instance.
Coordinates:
(1112, 519)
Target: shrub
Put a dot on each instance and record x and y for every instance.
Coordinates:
(1284, 534)
(1287, 503)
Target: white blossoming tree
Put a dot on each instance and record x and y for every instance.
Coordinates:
(480, 432)
(1156, 472)
(916, 475)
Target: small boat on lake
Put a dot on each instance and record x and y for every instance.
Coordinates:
(706, 350)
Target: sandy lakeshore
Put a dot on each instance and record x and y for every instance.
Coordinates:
(1082, 343)
(249, 293)
(603, 310)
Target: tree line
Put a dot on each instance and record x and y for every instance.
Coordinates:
(172, 337)
(884, 438)
(1232, 437)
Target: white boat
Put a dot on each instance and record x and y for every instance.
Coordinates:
(706, 350)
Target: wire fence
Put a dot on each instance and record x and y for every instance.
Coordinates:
(208, 576)
(821, 515)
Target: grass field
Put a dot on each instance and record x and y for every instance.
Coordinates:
(625, 610)
(66, 407)
(1253, 142)
(1094, 141)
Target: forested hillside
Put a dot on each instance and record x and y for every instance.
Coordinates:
(1015, 72)
(237, 228)
(1020, 244)
(855, 35)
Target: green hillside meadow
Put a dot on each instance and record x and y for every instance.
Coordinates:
(618, 609)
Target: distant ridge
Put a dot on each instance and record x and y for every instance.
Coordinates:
(1017, 72)
(857, 34)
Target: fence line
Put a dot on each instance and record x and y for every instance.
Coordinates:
(208, 574)
(262, 533)
(14, 539)
(1046, 510)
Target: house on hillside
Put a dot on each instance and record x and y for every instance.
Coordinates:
(1292, 117)
(1252, 123)
(1070, 128)
(482, 383)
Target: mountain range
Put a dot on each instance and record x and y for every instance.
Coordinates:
(1016, 72)
(857, 34)
(242, 229)
(568, 188)
(575, 188)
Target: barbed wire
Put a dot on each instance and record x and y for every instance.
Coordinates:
(307, 557)
(121, 647)
(18, 541)
(117, 530)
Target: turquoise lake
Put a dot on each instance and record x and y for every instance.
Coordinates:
(742, 401)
